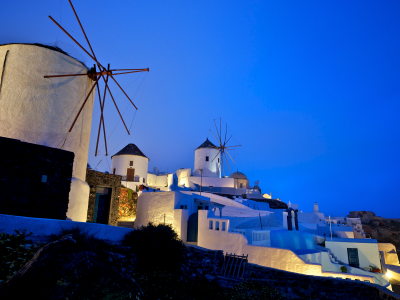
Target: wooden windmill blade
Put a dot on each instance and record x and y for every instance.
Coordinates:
(219, 138)
(227, 163)
(101, 122)
(84, 102)
(215, 156)
(95, 76)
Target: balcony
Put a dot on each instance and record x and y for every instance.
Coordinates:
(130, 179)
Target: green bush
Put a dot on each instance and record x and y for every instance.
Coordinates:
(84, 240)
(15, 252)
(156, 247)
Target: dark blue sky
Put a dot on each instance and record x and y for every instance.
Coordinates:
(311, 89)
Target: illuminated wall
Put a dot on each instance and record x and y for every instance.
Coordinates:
(40, 111)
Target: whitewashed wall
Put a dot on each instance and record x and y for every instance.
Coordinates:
(183, 176)
(210, 168)
(213, 181)
(368, 253)
(151, 207)
(277, 258)
(38, 110)
(122, 162)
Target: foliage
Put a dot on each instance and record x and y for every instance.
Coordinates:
(137, 189)
(343, 269)
(163, 285)
(127, 203)
(156, 246)
(15, 252)
(253, 290)
(84, 240)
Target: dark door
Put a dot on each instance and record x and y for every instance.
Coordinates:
(193, 226)
(353, 257)
(102, 205)
(130, 174)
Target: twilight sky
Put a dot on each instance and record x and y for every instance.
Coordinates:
(310, 89)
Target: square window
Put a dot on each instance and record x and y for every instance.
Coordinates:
(144, 180)
(114, 170)
(217, 225)
(207, 158)
(210, 225)
(131, 163)
(181, 206)
(223, 226)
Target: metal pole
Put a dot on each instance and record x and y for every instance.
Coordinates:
(330, 225)
(201, 181)
(259, 214)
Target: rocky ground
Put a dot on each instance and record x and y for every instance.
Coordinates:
(385, 230)
(75, 266)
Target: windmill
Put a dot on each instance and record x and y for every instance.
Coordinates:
(223, 146)
(95, 76)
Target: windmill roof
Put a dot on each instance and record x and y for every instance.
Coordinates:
(54, 48)
(206, 144)
(130, 149)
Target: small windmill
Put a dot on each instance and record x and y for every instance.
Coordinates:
(96, 76)
(223, 146)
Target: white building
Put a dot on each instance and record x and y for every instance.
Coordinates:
(132, 165)
(207, 159)
(40, 110)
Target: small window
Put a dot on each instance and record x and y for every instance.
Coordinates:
(114, 170)
(207, 158)
(241, 185)
(210, 225)
(185, 206)
(181, 206)
(223, 226)
(206, 207)
(217, 225)
(144, 180)
(218, 159)
(131, 163)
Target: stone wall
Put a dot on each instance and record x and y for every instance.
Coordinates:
(95, 179)
(35, 180)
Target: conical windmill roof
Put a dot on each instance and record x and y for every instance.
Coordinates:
(130, 149)
(206, 144)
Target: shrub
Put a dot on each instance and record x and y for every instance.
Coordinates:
(84, 240)
(15, 252)
(343, 269)
(156, 247)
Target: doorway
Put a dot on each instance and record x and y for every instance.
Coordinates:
(130, 174)
(102, 205)
(353, 257)
(193, 227)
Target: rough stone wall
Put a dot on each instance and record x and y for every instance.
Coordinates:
(22, 191)
(96, 178)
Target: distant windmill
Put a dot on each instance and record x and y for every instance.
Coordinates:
(223, 148)
(95, 76)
